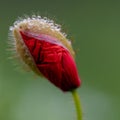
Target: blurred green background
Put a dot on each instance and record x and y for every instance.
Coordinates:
(94, 27)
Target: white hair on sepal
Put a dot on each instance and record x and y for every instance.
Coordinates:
(42, 22)
(13, 55)
(38, 24)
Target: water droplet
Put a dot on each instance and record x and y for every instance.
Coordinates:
(11, 28)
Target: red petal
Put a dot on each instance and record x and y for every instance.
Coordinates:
(53, 60)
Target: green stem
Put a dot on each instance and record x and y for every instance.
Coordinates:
(77, 104)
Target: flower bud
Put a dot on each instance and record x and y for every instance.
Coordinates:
(42, 46)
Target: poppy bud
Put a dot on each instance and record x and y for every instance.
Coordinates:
(42, 46)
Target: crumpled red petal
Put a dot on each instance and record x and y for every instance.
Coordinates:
(53, 60)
